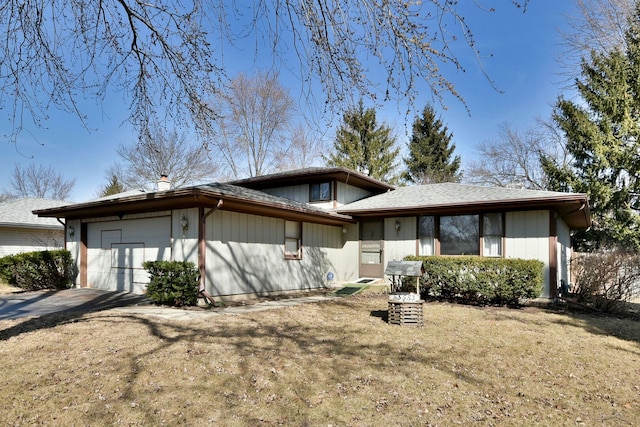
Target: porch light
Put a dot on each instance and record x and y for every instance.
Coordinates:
(72, 231)
(397, 226)
(184, 222)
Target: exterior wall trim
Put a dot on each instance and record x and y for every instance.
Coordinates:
(553, 255)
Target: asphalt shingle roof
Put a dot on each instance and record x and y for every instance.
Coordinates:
(258, 196)
(447, 194)
(18, 213)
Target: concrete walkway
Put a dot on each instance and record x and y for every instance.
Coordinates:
(194, 313)
(40, 303)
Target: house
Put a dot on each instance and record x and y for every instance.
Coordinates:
(288, 231)
(22, 231)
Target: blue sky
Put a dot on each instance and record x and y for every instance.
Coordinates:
(523, 64)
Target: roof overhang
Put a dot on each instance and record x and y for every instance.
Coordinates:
(189, 198)
(314, 175)
(572, 208)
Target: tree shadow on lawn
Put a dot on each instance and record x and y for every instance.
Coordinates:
(65, 313)
(624, 328)
(255, 345)
(381, 314)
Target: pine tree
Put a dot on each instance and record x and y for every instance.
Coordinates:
(602, 134)
(430, 152)
(114, 186)
(364, 146)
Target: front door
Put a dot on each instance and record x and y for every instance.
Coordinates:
(371, 248)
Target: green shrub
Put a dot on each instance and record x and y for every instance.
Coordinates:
(33, 271)
(479, 279)
(173, 283)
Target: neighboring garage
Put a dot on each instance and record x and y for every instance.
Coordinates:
(117, 249)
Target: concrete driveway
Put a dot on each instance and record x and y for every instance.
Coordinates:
(39, 303)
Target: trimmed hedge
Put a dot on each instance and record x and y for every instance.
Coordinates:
(173, 283)
(480, 280)
(34, 271)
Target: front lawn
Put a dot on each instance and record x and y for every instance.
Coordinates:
(334, 363)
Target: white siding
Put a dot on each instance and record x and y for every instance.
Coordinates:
(116, 250)
(564, 252)
(299, 193)
(15, 240)
(400, 243)
(184, 244)
(345, 194)
(347, 261)
(73, 243)
(245, 255)
(527, 237)
(348, 193)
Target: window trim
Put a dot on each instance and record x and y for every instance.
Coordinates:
(320, 199)
(502, 237)
(435, 233)
(298, 238)
(437, 243)
(477, 243)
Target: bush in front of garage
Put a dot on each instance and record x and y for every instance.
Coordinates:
(34, 271)
(480, 279)
(173, 283)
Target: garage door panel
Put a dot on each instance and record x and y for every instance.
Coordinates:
(116, 251)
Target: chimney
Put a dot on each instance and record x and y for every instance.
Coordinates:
(163, 183)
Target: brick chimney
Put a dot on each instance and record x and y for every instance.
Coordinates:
(163, 183)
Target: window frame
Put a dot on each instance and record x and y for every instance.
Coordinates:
(437, 244)
(434, 240)
(288, 237)
(319, 185)
(476, 223)
(483, 235)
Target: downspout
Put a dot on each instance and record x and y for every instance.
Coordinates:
(202, 251)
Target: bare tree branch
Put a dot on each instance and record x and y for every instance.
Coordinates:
(513, 158)
(599, 26)
(41, 182)
(168, 154)
(160, 55)
(255, 124)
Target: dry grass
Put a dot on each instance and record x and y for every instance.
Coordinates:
(335, 363)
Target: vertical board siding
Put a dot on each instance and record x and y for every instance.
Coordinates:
(119, 267)
(299, 193)
(401, 243)
(348, 193)
(245, 255)
(527, 237)
(184, 246)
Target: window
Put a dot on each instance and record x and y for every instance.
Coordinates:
(292, 247)
(492, 234)
(320, 192)
(460, 235)
(427, 235)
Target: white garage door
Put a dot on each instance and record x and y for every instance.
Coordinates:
(117, 249)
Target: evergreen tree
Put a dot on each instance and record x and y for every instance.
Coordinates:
(364, 146)
(114, 186)
(602, 131)
(430, 152)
